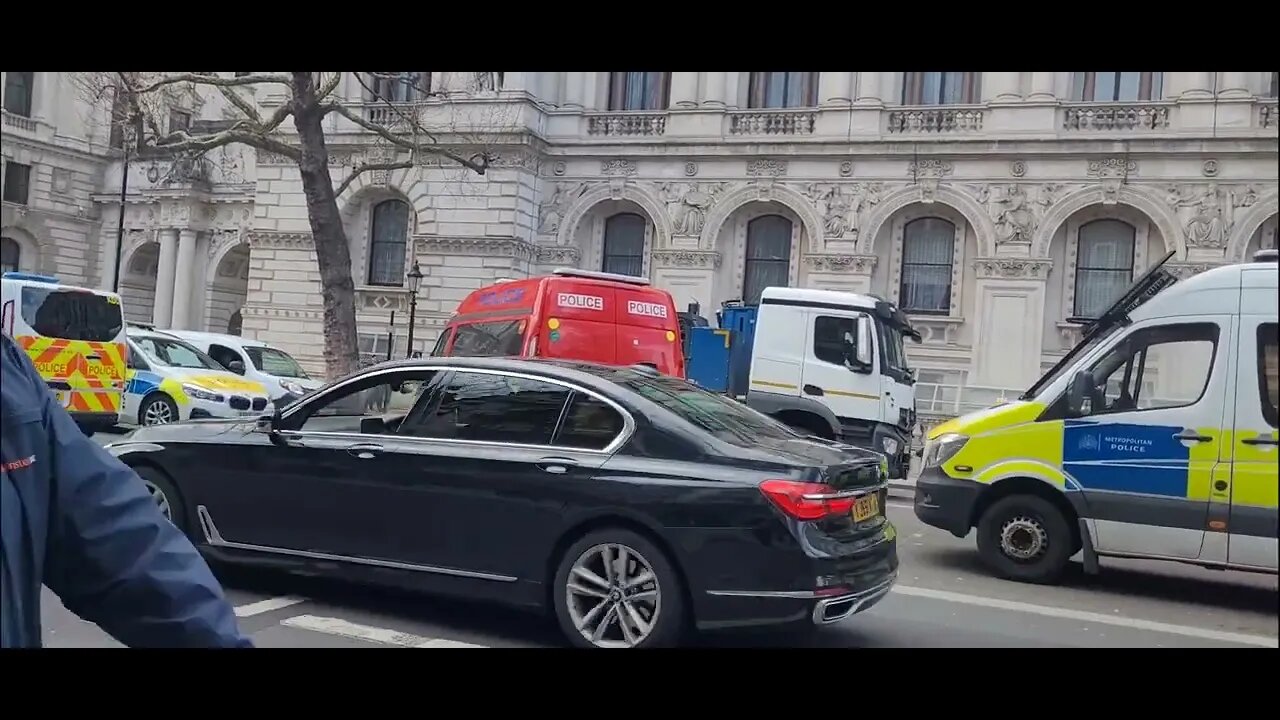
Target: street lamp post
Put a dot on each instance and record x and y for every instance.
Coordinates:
(415, 281)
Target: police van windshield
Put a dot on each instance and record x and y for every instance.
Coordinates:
(71, 314)
(175, 353)
(488, 339)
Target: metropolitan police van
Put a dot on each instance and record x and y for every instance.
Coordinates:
(1155, 437)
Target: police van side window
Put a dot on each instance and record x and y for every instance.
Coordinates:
(1269, 371)
(1160, 367)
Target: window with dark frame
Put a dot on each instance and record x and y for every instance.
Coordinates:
(399, 86)
(590, 424)
(624, 244)
(768, 258)
(388, 240)
(1125, 377)
(1269, 372)
(633, 91)
(18, 92)
(928, 253)
(940, 88)
(828, 338)
(179, 120)
(770, 90)
(492, 408)
(1104, 265)
(10, 255)
(1117, 86)
(17, 183)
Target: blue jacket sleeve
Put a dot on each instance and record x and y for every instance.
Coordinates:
(113, 559)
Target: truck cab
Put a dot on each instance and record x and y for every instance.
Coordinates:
(826, 363)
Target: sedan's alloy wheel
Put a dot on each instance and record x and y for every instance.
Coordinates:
(614, 599)
(161, 500)
(157, 413)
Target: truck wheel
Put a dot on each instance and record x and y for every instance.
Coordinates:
(1025, 538)
(615, 589)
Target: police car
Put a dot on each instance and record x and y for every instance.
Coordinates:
(276, 369)
(1155, 437)
(169, 380)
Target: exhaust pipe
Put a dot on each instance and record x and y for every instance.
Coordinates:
(836, 609)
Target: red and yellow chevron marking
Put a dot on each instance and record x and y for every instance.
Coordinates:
(96, 385)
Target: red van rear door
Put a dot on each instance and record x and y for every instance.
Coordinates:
(648, 329)
(578, 322)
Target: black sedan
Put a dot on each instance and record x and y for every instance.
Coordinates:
(631, 505)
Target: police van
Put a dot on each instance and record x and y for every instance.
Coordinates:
(1155, 437)
(75, 336)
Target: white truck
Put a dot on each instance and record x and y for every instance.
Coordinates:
(824, 362)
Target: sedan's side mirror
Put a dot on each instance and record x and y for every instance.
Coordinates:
(236, 366)
(1080, 394)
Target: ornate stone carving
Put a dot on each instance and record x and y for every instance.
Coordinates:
(1182, 271)
(930, 168)
(1210, 168)
(559, 255)
(552, 210)
(220, 239)
(856, 264)
(766, 168)
(1018, 168)
(1205, 220)
(134, 239)
(690, 169)
(493, 247)
(382, 299)
(1013, 268)
(266, 157)
(688, 204)
(843, 206)
(619, 166)
(524, 159)
(1016, 210)
(686, 259)
(559, 168)
(268, 239)
(846, 168)
(1112, 168)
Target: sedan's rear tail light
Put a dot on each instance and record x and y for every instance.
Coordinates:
(806, 501)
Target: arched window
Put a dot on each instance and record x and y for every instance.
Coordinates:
(387, 239)
(624, 245)
(10, 255)
(1117, 86)
(639, 90)
(782, 90)
(928, 250)
(1104, 265)
(768, 261)
(939, 88)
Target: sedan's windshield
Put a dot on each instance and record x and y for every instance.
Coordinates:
(727, 419)
(174, 353)
(274, 362)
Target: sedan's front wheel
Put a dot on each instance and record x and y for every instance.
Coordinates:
(164, 494)
(615, 589)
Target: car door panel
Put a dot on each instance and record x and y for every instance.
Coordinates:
(1252, 530)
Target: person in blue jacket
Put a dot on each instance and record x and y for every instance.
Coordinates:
(76, 519)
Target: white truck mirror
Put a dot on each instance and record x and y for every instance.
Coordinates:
(862, 348)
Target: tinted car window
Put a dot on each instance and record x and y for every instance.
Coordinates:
(488, 339)
(590, 424)
(71, 314)
(727, 419)
(375, 406)
(493, 408)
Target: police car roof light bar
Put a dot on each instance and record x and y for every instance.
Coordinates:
(32, 277)
(594, 275)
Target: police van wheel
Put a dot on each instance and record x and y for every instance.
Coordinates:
(1025, 538)
(165, 495)
(157, 409)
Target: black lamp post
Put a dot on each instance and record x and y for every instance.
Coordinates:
(415, 282)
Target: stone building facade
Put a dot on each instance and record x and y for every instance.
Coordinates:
(991, 206)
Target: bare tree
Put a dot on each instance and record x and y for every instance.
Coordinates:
(140, 101)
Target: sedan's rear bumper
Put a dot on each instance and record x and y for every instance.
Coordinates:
(829, 610)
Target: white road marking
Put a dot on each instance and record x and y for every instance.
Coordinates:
(384, 636)
(268, 605)
(1089, 617)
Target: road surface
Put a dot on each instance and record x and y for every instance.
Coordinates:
(944, 598)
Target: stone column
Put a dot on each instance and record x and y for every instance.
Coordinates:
(184, 282)
(684, 90)
(716, 90)
(1042, 86)
(1004, 87)
(590, 91)
(1196, 85)
(1235, 84)
(573, 85)
(870, 88)
(515, 81)
(162, 306)
(833, 88)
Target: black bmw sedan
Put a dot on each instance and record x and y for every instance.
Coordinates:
(632, 506)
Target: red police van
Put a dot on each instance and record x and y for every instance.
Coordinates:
(569, 315)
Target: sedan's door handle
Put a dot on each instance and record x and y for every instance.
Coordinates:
(1261, 440)
(1189, 435)
(813, 390)
(556, 465)
(365, 451)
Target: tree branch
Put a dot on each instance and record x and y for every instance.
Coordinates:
(329, 87)
(478, 167)
(412, 122)
(216, 81)
(241, 104)
(366, 168)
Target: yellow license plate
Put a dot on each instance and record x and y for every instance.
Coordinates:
(865, 508)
